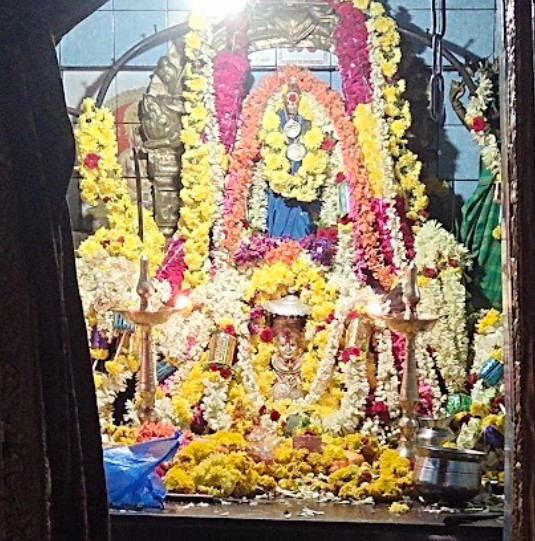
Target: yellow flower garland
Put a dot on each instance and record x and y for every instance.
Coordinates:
(102, 183)
(196, 194)
(305, 183)
(277, 280)
(397, 116)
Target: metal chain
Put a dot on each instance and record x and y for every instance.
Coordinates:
(436, 83)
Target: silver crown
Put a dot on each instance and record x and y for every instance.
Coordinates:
(289, 306)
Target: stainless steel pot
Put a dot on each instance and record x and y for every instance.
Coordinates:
(448, 475)
(434, 431)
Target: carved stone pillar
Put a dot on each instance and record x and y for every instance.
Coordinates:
(160, 114)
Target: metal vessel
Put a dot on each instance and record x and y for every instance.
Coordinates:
(447, 475)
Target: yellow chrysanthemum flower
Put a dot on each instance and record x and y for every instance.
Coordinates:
(313, 138)
(270, 121)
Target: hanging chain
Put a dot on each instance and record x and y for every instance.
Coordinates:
(436, 83)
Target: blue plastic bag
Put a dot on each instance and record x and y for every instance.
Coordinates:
(130, 473)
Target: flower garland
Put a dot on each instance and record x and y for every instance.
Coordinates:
(231, 66)
(442, 261)
(248, 147)
(102, 183)
(351, 46)
(478, 112)
(384, 118)
(257, 209)
(387, 390)
(304, 184)
(198, 158)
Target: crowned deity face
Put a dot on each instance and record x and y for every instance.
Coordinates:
(291, 99)
(288, 345)
(288, 339)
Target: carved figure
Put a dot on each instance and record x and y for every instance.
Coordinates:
(304, 24)
(160, 114)
(287, 360)
(288, 330)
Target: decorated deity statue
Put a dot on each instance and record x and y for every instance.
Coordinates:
(290, 217)
(289, 318)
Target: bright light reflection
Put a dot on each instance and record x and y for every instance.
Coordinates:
(218, 8)
(374, 308)
(182, 302)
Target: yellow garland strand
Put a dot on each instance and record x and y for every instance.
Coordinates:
(196, 194)
(102, 184)
(305, 183)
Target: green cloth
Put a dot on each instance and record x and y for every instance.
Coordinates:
(479, 217)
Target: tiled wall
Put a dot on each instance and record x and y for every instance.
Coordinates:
(92, 46)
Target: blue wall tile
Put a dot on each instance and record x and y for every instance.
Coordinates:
(142, 5)
(108, 6)
(90, 43)
(459, 154)
(471, 35)
(181, 4)
(465, 188)
(132, 26)
(395, 5)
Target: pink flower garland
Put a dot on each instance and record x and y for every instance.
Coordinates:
(379, 207)
(351, 37)
(231, 66)
(405, 227)
(173, 266)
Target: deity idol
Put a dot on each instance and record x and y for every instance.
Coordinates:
(289, 318)
(290, 217)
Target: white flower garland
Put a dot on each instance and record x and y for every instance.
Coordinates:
(426, 370)
(247, 371)
(257, 207)
(477, 106)
(353, 399)
(185, 338)
(214, 403)
(387, 389)
(383, 137)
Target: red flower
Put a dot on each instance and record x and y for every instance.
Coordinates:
(381, 409)
(340, 177)
(266, 334)
(470, 381)
(429, 272)
(213, 367)
(344, 220)
(91, 160)
(496, 403)
(225, 373)
(274, 415)
(453, 263)
(262, 409)
(328, 143)
(352, 315)
(229, 329)
(479, 124)
(330, 318)
(328, 233)
(292, 97)
(348, 353)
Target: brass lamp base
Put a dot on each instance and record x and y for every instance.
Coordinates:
(145, 320)
(409, 325)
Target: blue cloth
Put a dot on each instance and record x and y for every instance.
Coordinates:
(130, 476)
(289, 218)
